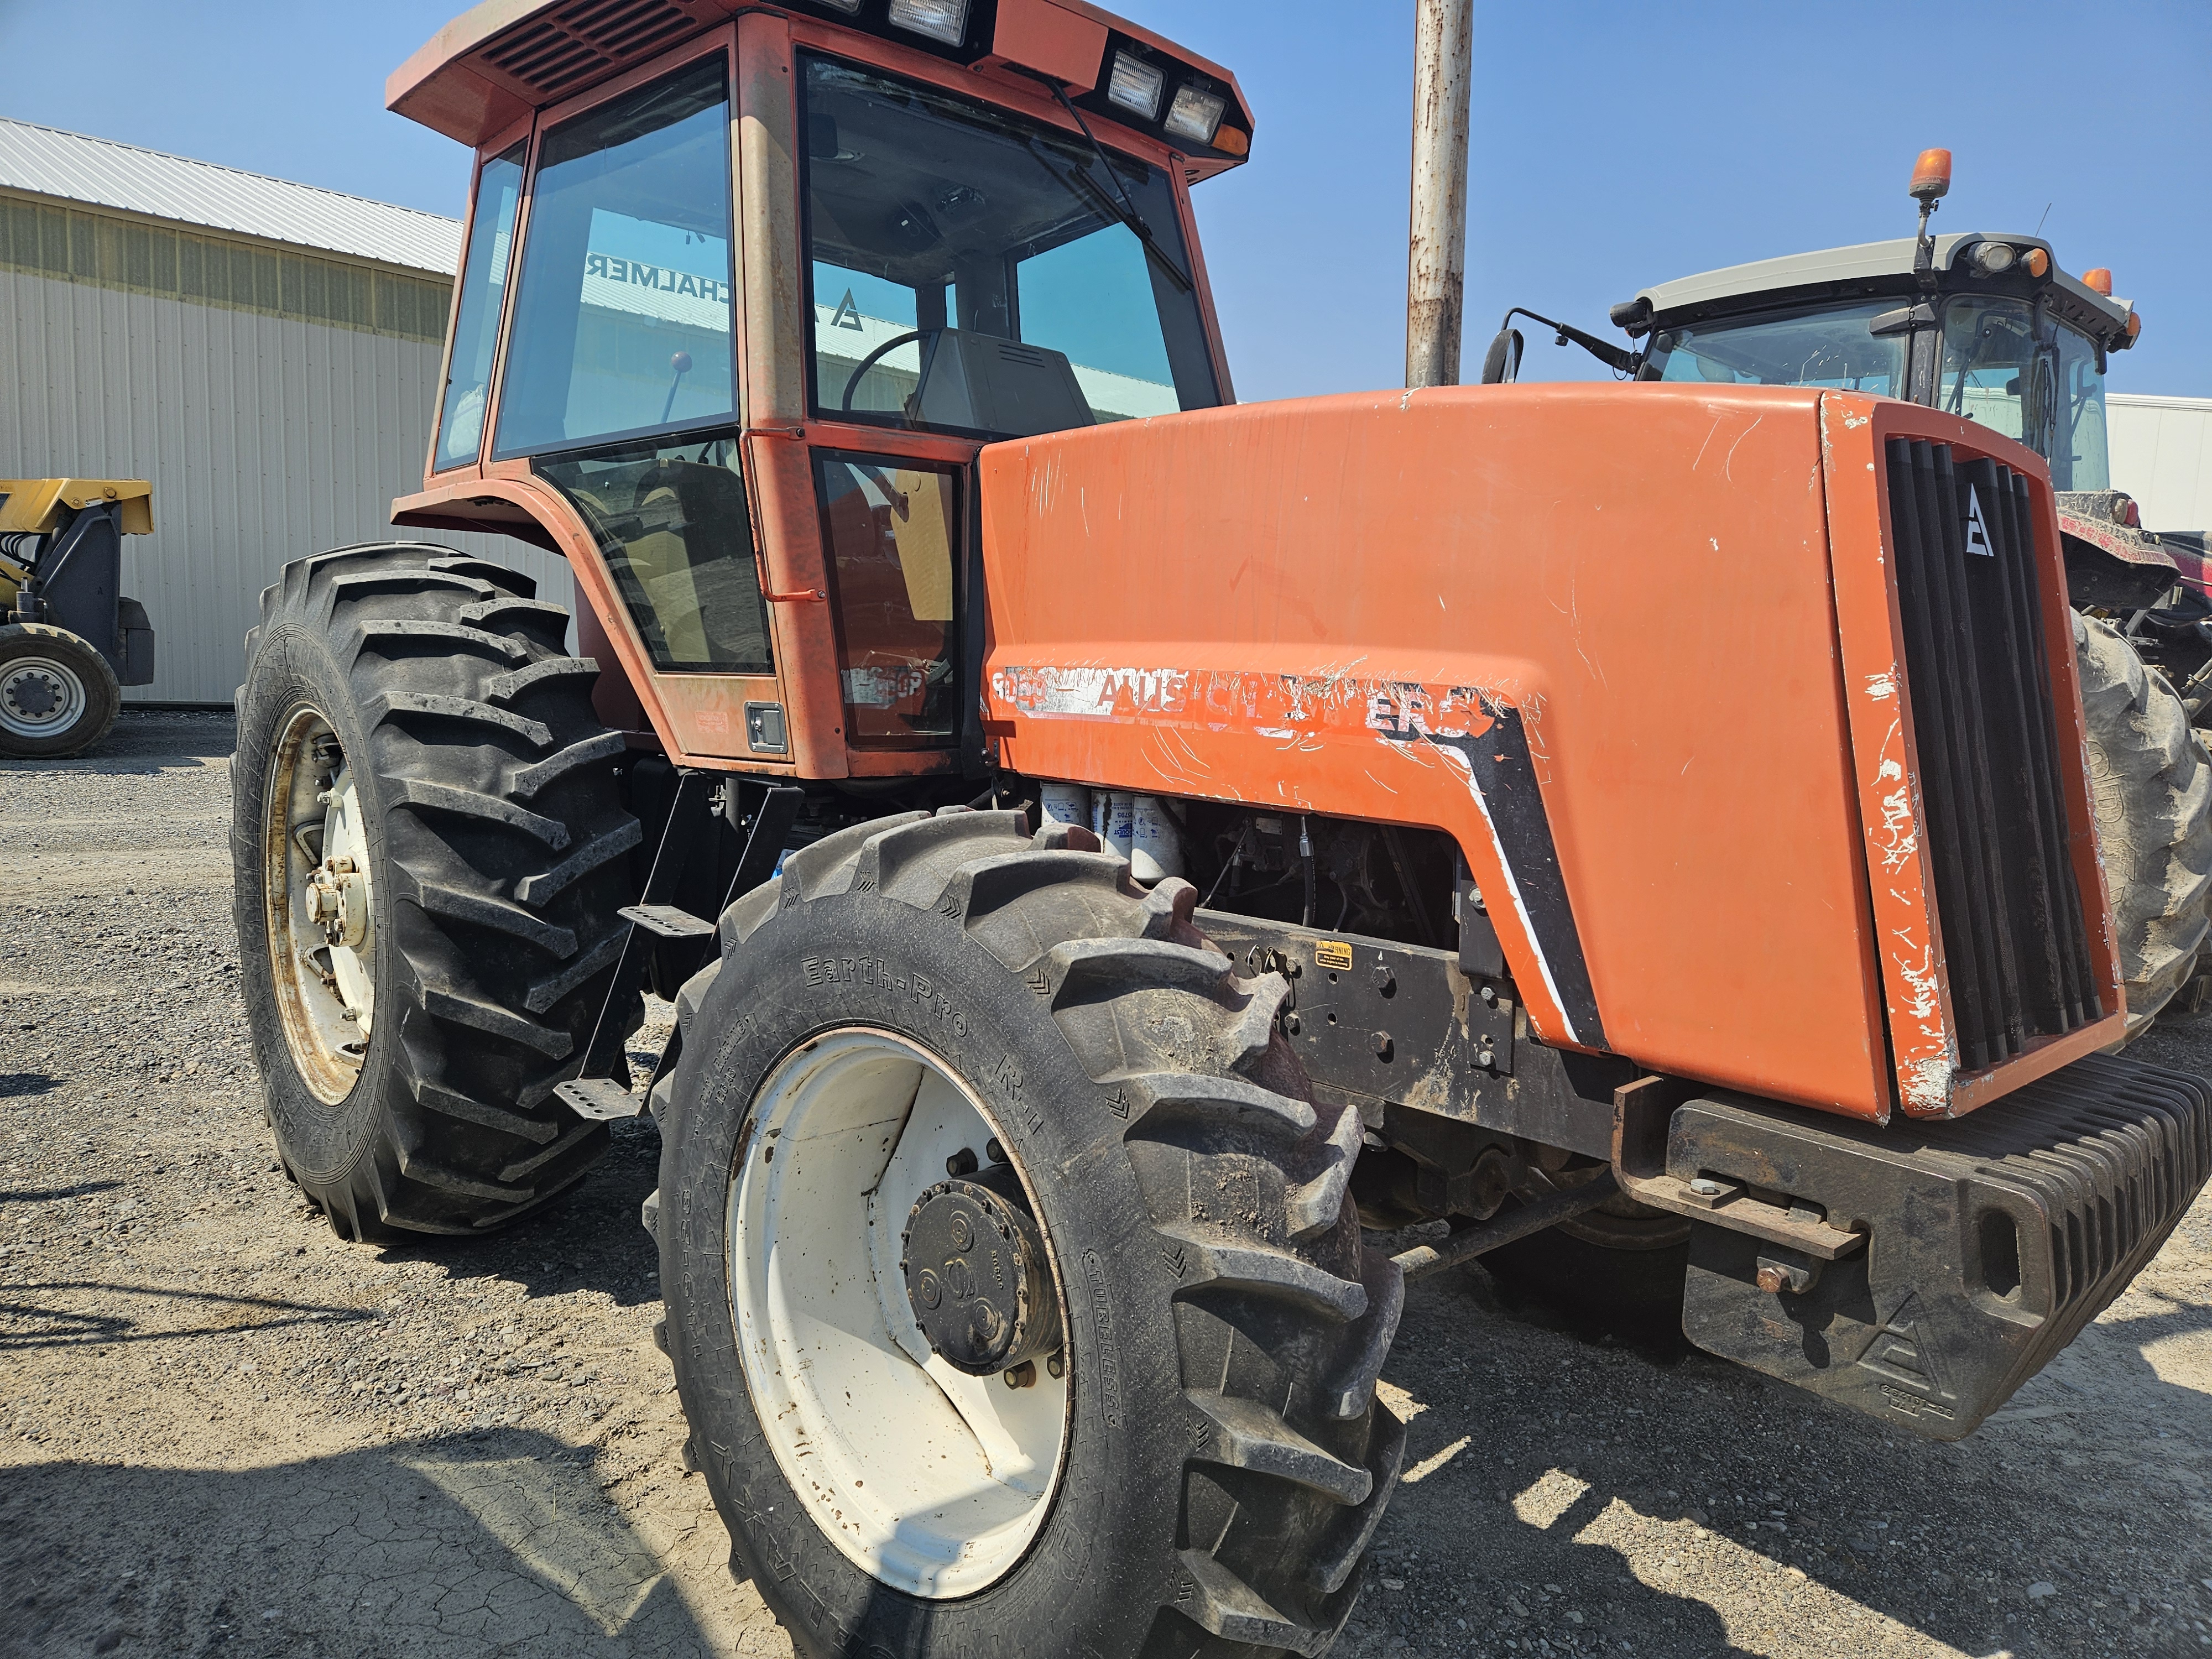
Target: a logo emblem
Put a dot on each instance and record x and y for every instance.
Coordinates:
(1977, 533)
(848, 315)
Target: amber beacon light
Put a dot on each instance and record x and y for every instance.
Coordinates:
(1931, 175)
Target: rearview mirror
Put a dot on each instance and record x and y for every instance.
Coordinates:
(1501, 364)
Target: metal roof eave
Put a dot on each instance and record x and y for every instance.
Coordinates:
(98, 172)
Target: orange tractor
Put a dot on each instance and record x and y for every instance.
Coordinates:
(1103, 842)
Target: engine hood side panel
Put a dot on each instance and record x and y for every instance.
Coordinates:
(1367, 605)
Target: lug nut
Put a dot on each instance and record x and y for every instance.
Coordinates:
(1023, 1376)
(962, 1162)
(1056, 1367)
(994, 1153)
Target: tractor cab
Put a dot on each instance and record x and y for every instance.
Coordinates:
(2000, 335)
(745, 293)
(1977, 325)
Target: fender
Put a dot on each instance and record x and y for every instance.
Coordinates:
(692, 715)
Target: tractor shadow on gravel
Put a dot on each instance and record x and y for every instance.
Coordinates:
(458, 1544)
(1545, 1477)
(40, 1315)
(588, 1238)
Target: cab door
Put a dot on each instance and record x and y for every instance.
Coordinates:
(619, 389)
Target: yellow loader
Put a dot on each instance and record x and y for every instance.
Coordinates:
(69, 639)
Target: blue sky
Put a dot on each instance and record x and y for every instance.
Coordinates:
(1615, 145)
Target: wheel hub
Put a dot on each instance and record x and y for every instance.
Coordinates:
(337, 902)
(33, 693)
(976, 1275)
(320, 904)
(927, 1476)
(39, 697)
(334, 899)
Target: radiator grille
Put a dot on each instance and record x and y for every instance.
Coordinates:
(554, 54)
(2016, 943)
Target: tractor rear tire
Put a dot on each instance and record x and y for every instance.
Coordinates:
(2150, 782)
(59, 695)
(1220, 1462)
(430, 697)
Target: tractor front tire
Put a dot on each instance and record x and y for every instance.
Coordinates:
(1198, 1467)
(58, 696)
(413, 738)
(2150, 783)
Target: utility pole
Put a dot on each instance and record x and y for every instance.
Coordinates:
(1436, 275)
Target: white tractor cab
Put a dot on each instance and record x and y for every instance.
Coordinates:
(1988, 327)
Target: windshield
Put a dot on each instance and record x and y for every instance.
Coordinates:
(2028, 377)
(2081, 461)
(1827, 348)
(1990, 364)
(973, 271)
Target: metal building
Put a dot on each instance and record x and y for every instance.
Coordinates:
(2162, 456)
(264, 352)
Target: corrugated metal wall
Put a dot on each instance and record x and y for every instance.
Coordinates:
(266, 439)
(2162, 456)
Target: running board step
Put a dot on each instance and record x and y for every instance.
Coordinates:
(666, 921)
(600, 1098)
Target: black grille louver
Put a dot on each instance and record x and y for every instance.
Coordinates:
(2016, 940)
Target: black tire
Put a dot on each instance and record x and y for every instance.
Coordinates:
(48, 673)
(1227, 1463)
(495, 838)
(2150, 781)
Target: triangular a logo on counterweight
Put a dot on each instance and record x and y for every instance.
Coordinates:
(1900, 1352)
(1977, 533)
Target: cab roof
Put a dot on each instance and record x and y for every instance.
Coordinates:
(1870, 267)
(495, 64)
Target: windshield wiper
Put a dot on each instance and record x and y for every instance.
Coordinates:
(1124, 209)
(1625, 363)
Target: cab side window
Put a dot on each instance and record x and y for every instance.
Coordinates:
(476, 324)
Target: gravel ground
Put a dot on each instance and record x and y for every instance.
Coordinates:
(223, 1430)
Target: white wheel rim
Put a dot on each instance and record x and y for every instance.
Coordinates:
(40, 696)
(933, 1481)
(315, 845)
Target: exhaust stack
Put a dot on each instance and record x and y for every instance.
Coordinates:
(1435, 273)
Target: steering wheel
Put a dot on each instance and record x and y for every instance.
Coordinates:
(853, 384)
